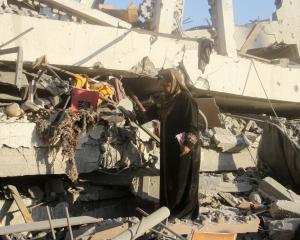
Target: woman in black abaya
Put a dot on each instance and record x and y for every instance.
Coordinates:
(179, 146)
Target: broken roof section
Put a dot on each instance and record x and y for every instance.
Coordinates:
(85, 13)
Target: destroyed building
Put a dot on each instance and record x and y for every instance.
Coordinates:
(75, 164)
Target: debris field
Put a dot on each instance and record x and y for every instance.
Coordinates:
(76, 164)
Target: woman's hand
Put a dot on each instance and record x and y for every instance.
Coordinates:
(184, 150)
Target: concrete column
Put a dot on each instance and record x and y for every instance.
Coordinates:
(168, 15)
(223, 21)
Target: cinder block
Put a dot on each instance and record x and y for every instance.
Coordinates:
(271, 189)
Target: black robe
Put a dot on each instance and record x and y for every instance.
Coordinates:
(179, 175)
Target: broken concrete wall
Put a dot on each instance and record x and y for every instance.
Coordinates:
(122, 49)
(22, 152)
(114, 48)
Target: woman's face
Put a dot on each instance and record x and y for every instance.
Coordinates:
(165, 86)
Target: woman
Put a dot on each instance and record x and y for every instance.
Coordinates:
(179, 146)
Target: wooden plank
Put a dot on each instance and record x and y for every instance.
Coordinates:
(251, 37)
(214, 236)
(19, 201)
(44, 225)
(88, 14)
(129, 15)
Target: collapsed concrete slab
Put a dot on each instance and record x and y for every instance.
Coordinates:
(114, 49)
(37, 161)
(272, 190)
(146, 188)
(88, 14)
(213, 161)
(23, 152)
(285, 209)
(215, 184)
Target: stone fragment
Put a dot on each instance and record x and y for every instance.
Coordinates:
(55, 100)
(255, 198)
(285, 209)
(272, 190)
(224, 139)
(13, 110)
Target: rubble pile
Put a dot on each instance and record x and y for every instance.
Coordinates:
(233, 135)
(75, 164)
(235, 197)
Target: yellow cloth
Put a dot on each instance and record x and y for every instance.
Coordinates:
(104, 90)
(81, 82)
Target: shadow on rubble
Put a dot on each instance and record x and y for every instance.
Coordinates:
(97, 194)
(279, 156)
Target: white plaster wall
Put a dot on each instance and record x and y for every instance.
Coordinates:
(82, 44)
(273, 31)
(228, 75)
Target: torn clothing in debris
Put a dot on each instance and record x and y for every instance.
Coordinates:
(179, 174)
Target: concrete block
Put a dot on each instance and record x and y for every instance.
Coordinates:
(272, 190)
(215, 184)
(224, 139)
(9, 78)
(213, 161)
(146, 187)
(255, 198)
(285, 209)
(19, 134)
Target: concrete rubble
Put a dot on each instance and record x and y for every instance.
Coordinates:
(75, 164)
